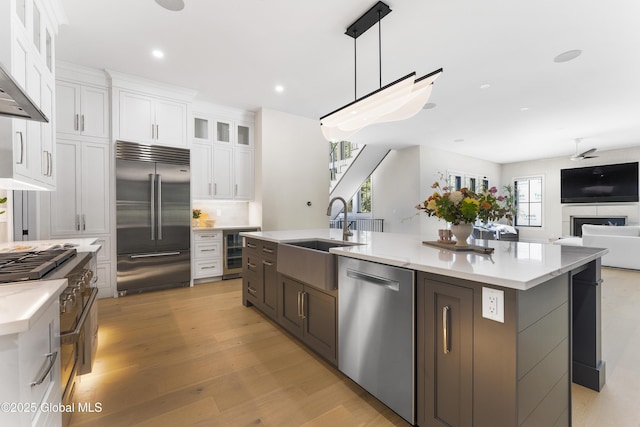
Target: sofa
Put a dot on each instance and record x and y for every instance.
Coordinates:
(623, 243)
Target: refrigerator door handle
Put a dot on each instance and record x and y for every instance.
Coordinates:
(155, 255)
(153, 206)
(159, 184)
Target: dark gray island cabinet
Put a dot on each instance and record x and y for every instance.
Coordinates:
(473, 371)
(471, 367)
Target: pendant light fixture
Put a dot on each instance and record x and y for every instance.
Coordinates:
(396, 101)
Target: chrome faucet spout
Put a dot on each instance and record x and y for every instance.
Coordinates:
(345, 225)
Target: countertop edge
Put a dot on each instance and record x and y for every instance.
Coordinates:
(51, 289)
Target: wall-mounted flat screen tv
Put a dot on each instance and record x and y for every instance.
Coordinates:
(595, 184)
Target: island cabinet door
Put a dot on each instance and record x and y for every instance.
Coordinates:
(445, 354)
(319, 312)
(290, 307)
(269, 284)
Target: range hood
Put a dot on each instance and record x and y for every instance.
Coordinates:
(14, 102)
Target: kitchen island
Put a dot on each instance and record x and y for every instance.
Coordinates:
(470, 368)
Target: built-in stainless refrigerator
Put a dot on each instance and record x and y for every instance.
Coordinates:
(153, 216)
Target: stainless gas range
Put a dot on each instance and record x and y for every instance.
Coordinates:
(78, 307)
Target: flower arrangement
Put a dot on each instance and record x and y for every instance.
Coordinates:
(197, 213)
(464, 205)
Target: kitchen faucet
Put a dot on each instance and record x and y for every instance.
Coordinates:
(345, 225)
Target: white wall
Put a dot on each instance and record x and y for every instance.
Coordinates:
(550, 170)
(396, 191)
(292, 165)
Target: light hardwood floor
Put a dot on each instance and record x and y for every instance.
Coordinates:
(196, 356)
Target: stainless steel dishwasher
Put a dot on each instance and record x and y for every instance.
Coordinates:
(376, 331)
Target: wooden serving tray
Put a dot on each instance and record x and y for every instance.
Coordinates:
(453, 247)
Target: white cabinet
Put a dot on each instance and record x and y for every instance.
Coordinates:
(82, 110)
(222, 159)
(30, 371)
(80, 206)
(201, 170)
(207, 259)
(27, 52)
(152, 120)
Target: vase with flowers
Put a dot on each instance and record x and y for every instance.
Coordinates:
(195, 217)
(462, 208)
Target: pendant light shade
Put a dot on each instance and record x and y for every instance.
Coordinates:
(396, 101)
(399, 100)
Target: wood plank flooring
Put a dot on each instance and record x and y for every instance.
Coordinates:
(196, 356)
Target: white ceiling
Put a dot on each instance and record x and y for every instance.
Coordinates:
(235, 52)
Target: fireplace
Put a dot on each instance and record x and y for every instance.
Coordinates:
(577, 222)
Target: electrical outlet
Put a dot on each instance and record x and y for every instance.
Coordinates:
(493, 304)
(218, 212)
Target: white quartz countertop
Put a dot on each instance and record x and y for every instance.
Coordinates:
(22, 303)
(80, 245)
(516, 265)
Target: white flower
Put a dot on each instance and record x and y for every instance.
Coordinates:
(456, 197)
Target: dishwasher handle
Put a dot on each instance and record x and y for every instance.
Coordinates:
(374, 280)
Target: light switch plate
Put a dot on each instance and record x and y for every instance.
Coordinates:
(493, 304)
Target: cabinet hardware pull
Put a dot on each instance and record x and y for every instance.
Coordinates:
(75, 123)
(157, 131)
(21, 148)
(215, 189)
(251, 291)
(207, 250)
(82, 124)
(210, 189)
(446, 338)
(302, 309)
(250, 265)
(84, 222)
(299, 314)
(251, 245)
(77, 222)
(208, 267)
(236, 190)
(52, 361)
(153, 132)
(267, 250)
(267, 263)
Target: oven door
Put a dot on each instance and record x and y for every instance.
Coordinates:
(85, 330)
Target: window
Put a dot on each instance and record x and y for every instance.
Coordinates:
(528, 201)
(361, 201)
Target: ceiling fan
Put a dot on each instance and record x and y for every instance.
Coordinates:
(585, 154)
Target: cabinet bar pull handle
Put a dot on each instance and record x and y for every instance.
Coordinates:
(153, 132)
(251, 245)
(446, 338)
(251, 291)
(157, 131)
(267, 250)
(209, 189)
(82, 124)
(75, 123)
(84, 222)
(302, 307)
(236, 190)
(21, 148)
(299, 313)
(77, 222)
(207, 250)
(52, 361)
(267, 263)
(215, 189)
(250, 265)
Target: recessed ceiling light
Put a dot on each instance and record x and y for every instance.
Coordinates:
(157, 53)
(458, 140)
(524, 109)
(485, 86)
(279, 88)
(172, 5)
(429, 105)
(567, 56)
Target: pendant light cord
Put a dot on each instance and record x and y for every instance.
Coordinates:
(379, 49)
(355, 64)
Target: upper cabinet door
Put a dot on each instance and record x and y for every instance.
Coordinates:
(201, 173)
(224, 131)
(94, 114)
(67, 107)
(244, 134)
(137, 118)
(171, 123)
(222, 172)
(243, 174)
